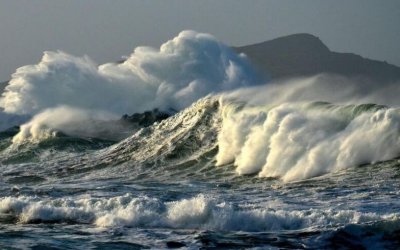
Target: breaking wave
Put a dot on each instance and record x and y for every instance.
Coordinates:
(299, 141)
(199, 212)
(290, 141)
(210, 159)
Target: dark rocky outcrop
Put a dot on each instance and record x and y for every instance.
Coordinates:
(146, 118)
(305, 55)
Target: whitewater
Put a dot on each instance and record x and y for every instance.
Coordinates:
(237, 161)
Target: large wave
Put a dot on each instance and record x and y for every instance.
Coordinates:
(288, 130)
(284, 129)
(290, 141)
(172, 77)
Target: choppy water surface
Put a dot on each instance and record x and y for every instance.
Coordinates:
(163, 187)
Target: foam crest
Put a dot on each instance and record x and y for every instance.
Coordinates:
(199, 212)
(299, 141)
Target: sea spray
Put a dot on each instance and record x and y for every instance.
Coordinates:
(67, 94)
(180, 72)
(323, 87)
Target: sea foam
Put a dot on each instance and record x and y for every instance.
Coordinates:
(198, 212)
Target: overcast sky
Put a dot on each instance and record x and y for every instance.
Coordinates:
(107, 29)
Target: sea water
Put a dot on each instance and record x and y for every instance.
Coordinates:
(217, 175)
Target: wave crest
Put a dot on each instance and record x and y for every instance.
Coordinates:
(299, 141)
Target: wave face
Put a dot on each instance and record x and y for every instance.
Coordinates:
(302, 163)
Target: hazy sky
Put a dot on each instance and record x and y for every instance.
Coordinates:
(107, 29)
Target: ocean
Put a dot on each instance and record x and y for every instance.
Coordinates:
(235, 162)
(162, 187)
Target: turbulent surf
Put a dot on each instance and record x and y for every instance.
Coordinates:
(227, 162)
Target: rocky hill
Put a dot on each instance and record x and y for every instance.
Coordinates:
(305, 55)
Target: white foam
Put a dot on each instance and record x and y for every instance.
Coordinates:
(199, 212)
(274, 134)
(294, 142)
(184, 69)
